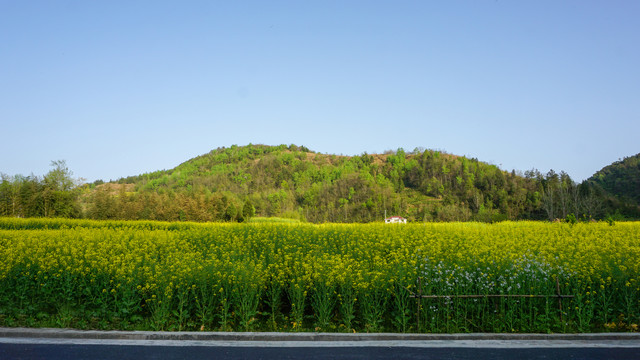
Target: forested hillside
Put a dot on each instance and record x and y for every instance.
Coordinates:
(240, 182)
(620, 181)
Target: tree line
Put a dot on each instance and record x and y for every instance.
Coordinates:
(56, 194)
(237, 183)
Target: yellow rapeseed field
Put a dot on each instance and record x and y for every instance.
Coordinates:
(330, 277)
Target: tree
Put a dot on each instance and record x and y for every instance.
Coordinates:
(550, 185)
(58, 193)
(248, 210)
(10, 195)
(31, 199)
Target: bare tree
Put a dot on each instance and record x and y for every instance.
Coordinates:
(548, 203)
(591, 204)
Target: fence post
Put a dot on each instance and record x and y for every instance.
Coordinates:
(419, 302)
(559, 297)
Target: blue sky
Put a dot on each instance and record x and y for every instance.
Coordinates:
(119, 88)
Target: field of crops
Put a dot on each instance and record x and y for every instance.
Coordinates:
(333, 277)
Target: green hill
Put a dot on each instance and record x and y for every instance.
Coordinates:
(620, 181)
(294, 182)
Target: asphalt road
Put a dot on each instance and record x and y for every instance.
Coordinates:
(54, 349)
(28, 344)
(60, 352)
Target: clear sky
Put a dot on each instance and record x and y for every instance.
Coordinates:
(119, 88)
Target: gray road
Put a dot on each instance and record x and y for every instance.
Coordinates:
(72, 344)
(15, 351)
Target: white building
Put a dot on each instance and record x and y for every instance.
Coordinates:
(395, 220)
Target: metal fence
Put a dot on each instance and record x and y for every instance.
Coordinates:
(419, 296)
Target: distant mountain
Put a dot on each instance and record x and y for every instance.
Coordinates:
(620, 180)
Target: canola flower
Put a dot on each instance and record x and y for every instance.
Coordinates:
(330, 277)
